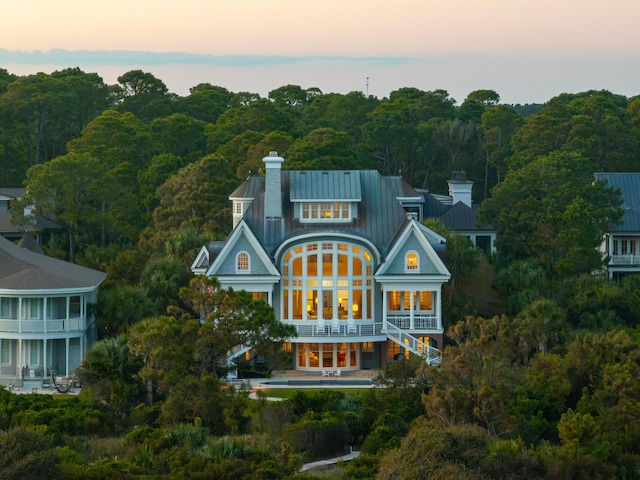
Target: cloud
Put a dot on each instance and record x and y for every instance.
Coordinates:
(140, 58)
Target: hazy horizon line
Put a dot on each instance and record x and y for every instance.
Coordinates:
(60, 56)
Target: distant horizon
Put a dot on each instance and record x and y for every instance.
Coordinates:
(519, 78)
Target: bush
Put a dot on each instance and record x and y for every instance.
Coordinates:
(317, 437)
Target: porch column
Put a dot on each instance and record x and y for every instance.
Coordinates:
(19, 359)
(20, 300)
(66, 367)
(67, 316)
(438, 309)
(411, 307)
(44, 315)
(44, 356)
(384, 309)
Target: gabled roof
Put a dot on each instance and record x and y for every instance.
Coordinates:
(206, 256)
(629, 185)
(432, 264)
(457, 217)
(23, 269)
(29, 242)
(242, 230)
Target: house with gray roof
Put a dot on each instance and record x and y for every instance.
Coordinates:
(337, 256)
(621, 245)
(458, 213)
(46, 324)
(41, 228)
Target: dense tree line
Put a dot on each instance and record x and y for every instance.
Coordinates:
(539, 382)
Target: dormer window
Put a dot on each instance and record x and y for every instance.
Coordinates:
(237, 208)
(412, 262)
(243, 263)
(326, 212)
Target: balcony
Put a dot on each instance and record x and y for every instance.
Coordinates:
(336, 328)
(421, 321)
(43, 326)
(625, 260)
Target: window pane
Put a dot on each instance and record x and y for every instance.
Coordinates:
(314, 355)
(312, 265)
(302, 354)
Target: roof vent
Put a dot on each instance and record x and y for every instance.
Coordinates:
(273, 153)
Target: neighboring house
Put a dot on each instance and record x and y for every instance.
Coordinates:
(621, 245)
(45, 321)
(457, 213)
(41, 228)
(338, 257)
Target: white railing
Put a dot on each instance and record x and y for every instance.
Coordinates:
(341, 329)
(625, 260)
(38, 326)
(432, 355)
(421, 321)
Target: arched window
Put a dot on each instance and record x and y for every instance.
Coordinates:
(411, 262)
(327, 280)
(243, 262)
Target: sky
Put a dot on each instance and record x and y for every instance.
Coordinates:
(526, 50)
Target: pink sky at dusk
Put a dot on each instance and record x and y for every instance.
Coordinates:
(415, 29)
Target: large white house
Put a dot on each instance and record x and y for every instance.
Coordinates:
(337, 256)
(621, 245)
(45, 320)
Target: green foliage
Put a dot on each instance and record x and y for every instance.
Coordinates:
(27, 454)
(318, 438)
(380, 439)
(122, 306)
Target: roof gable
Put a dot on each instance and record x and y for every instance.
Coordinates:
(242, 239)
(414, 237)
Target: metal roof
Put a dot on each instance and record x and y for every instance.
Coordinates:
(379, 214)
(629, 185)
(319, 185)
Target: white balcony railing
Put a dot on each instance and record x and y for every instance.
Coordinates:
(42, 326)
(330, 329)
(625, 260)
(421, 321)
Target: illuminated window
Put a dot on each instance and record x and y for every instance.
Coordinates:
(260, 296)
(327, 281)
(242, 262)
(412, 261)
(325, 211)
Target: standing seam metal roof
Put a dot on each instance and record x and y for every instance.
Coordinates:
(379, 214)
(629, 185)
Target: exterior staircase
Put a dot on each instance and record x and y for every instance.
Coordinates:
(432, 355)
(234, 353)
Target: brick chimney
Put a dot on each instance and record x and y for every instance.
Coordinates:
(272, 186)
(460, 188)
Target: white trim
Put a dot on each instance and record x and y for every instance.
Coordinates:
(243, 271)
(329, 237)
(414, 229)
(242, 228)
